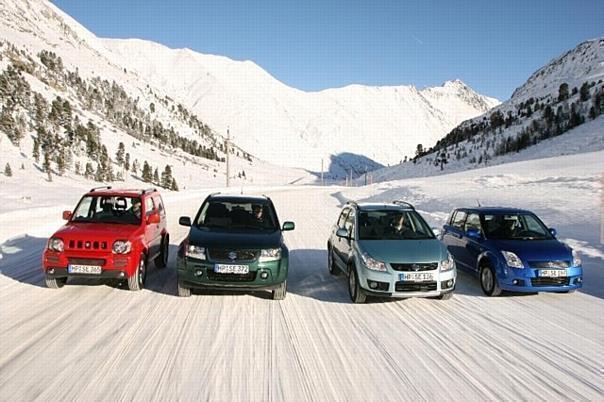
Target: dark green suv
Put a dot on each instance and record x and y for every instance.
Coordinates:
(235, 243)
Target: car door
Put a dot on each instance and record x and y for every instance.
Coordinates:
(453, 235)
(472, 247)
(347, 243)
(338, 243)
(152, 231)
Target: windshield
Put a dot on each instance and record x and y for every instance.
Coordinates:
(237, 215)
(514, 227)
(393, 225)
(108, 209)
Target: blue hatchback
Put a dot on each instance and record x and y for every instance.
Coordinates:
(511, 249)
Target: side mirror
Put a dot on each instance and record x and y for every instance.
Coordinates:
(288, 226)
(153, 219)
(474, 234)
(66, 215)
(437, 232)
(553, 231)
(343, 233)
(184, 221)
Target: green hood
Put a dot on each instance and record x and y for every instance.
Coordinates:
(404, 251)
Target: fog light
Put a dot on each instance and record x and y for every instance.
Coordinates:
(578, 280)
(515, 282)
(51, 271)
(122, 274)
(450, 283)
(199, 272)
(263, 275)
(372, 285)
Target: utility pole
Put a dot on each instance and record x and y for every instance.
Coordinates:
(322, 182)
(227, 145)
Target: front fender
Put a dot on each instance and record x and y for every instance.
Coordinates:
(491, 258)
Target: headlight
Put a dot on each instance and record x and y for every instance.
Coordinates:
(373, 264)
(121, 247)
(576, 259)
(512, 259)
(448, 264)
(196, 252)
(270, 254)
(56, 244)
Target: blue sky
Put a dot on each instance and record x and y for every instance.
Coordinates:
(493, 46)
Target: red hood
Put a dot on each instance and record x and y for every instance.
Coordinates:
(97, 231)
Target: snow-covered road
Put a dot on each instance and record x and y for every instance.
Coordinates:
(94, 341)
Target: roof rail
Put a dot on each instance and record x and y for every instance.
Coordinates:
(353, 203)
(92, 190)
(213, 194)
(149, 190)
(403, 203)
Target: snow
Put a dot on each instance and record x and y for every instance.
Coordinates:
(315, 345)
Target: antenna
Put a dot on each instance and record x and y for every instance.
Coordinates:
(478, 202)
(227, 144)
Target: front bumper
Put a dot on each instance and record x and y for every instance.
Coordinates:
(529, 280)
(118, 266)
(444, 283)
(194, 273)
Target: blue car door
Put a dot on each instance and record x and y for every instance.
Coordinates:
(453, 234)
(471, 246)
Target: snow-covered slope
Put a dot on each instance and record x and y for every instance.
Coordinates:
(296, 128)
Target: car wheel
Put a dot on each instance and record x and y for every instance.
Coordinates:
(137, 280)
(183, 291)
(280, 292)
(354, 288)
(54, 283)
(161, 261)
(330, 262)
(488, 281)
(445, 296)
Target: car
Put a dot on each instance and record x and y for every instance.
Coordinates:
(388, 250)
(235, 242)
(111, 234)
(511, 249)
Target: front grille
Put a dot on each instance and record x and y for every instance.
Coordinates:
(414, 287)
(561, 264)
(561, 281)
(224, 254)
(214, 276)
(87, 261)
(86, 245)
(422, 266)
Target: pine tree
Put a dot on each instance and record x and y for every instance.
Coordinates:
(99, 176)
(127, 162)
(36, 151)
(147, 176)
(155, 176)
(563, 92)
(135, 166)
(119, 155)
(8, 172)
(584, 92)
(174, 186)
(61, 165)
(46, 166)
(166, 177)
(88, 172)
(78, 168)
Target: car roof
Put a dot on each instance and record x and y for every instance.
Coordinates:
(124, 192)
(379, 206)
(239, 198)
(496, 210)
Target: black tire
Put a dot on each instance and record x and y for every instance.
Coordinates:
(280, 292)
(54, 283)
(354, 288)
(161, 261)
(331, 263)
(445, 296)
(183, 291)
(488, 281)
(137, 280)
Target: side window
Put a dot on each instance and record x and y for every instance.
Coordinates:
(149, 206)
(160, 206)
(459, 217)
(342, 217)
(349, 224)
(473, 222)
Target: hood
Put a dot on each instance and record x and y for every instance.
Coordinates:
(237, 240)
(535, 250)
(404, 251)
(96, 231)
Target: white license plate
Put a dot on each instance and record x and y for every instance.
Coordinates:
(417, 276)
(84, 269)
(231, 269)
(552, 273)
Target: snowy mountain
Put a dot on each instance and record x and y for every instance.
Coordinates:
(291, 127)
(556, 112)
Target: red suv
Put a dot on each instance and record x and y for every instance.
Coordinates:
(111, 234)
